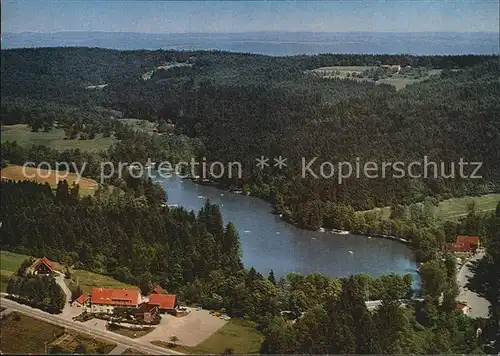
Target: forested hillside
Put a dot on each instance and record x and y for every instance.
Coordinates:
(242, 106)
(195, 256)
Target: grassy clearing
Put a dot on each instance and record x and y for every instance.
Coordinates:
(9, 264)
(54, 138)
(10, 261)
(454, 208)
(22, 334)
(398, 80)
(88, 280)
(457, 207)
(239, 335)
(87, 185)
(139, 125)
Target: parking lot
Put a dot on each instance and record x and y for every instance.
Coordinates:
(190, 329)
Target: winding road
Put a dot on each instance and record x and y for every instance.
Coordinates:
(479, 306)
(122, 341)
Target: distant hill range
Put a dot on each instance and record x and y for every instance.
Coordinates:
(271, 43)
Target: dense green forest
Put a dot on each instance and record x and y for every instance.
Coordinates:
(242, 106)
(237, 107)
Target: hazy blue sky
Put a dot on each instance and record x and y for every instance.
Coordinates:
(242, 16)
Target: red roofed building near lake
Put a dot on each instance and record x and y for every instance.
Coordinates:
(464, 244)
(165, 302)
(43, 266)
(104, 300)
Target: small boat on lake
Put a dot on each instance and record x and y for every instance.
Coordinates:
(340, 232)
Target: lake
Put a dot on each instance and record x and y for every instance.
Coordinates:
(268, 243)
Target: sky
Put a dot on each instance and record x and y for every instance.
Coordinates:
(250, 16)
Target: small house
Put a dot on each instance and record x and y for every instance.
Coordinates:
(81, 302)
(43, 266)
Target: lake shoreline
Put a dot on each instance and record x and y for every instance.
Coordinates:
(269, 242)
(224, 188)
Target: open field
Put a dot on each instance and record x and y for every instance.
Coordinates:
(87, 185)
(9, 264)
(88, 280)
(342, 70)
(22, 334)
(54, 139)
(238, 335)
(398, 80)
(10, 261)
(454, 208)
(457, 207)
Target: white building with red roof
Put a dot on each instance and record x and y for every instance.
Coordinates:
(103, 300)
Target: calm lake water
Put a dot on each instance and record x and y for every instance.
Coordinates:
(269, 243)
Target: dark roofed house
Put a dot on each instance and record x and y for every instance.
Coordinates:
(165, 302)
(146, 312)
(43, 266)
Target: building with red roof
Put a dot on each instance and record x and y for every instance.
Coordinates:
(81, 301)
(43, 266)
(104, 300)
(468, 240)
(464, 244)
(165, 302)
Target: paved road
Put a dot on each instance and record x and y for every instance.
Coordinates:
(118, 350)
(107, 335)
(60, 280)
(479, 306)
